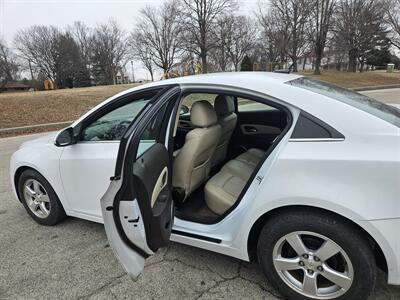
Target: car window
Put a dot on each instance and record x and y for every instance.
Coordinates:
(151, 134)
(378, 109)
(111, 126)
(194, 97)
(251, 105)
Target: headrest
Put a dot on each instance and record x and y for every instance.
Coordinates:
(224, 105)
(202, 114)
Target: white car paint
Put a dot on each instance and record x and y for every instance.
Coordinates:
(357, 178)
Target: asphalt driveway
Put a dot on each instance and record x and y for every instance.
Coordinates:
(73, 259)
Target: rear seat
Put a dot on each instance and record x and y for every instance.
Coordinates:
(224, 188)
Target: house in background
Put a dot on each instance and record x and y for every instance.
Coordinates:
(121, 78)
(14, 86)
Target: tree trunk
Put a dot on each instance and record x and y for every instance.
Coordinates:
(352, 60)
(151, 75)
(294, 65)
(203, 62)
(318, 57)
(362, 62)
(30, 69)
(317, 66)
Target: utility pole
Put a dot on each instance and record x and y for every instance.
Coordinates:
(133, 73)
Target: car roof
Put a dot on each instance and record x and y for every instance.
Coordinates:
(236, 79)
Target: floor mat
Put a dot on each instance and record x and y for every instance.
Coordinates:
(196, 209)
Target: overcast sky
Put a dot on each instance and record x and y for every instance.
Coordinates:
(18, 14)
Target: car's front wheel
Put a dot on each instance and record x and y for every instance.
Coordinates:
(39, 198)
(313, 255)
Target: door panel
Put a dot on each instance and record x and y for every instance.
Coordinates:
(257, 129)
(155, 212)
(85, 170)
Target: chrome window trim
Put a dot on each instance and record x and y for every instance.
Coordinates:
(316, 139)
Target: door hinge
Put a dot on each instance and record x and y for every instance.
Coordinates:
(259, 179)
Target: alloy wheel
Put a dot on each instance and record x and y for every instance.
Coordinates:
(313, 265)
(36, 198)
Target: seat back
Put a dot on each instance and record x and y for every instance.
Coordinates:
(192, 164)
(225, 109)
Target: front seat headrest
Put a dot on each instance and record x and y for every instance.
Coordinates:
(202, 114)
(224, 105)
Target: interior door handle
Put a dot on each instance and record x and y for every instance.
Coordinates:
(164, 179)
(250, 129)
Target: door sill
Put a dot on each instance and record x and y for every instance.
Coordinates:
(196, 236)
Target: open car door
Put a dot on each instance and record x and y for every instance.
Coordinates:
(138, 209)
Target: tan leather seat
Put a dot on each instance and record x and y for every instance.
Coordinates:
(224, 188)
(225, 109)
(192, 163)
(251, 156)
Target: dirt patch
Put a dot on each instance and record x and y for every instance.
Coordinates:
(31, 108)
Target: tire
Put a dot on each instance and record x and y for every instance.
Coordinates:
(277, 257)
(47, 210)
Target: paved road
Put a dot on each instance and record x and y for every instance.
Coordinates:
(73, 259)
(391, 96)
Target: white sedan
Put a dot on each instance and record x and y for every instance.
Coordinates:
(301, 175)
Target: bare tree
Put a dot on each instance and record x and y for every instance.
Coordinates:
(274, 38)
(321, 20)
(218, 57)
(38, 45)
(82, 36)
(141, 51)
(158, 31)
(393, 18)
(199, 18)
(293, 16)
(8, 65)
(109, 51)
(358, 24)
(239, 38)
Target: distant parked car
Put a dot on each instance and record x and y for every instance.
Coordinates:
(302, 175)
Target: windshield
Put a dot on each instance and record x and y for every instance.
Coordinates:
(378, 109)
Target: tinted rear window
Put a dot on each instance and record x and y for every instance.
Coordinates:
(378, 109)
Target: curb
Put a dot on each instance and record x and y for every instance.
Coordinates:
(376, 87)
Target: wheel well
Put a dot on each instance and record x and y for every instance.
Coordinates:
(258, 225)
(17, 175)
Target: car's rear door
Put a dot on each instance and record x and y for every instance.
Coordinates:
(258, 125)
(137, 208)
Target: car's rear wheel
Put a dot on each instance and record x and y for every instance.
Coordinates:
(39, 198)
(310, 255)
